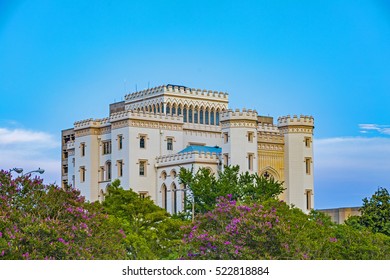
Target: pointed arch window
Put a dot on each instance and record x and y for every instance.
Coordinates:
(164, 196)
(206, 117)
(179, 110)
(196, 115)
(201, 116)
(174, 198)
(190, 115)
(168, 109)
(185, 114)
(212, 117)
(217, 118)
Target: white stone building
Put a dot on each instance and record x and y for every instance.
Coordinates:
(152, 133)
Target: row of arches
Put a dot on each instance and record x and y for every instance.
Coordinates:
(191, 113)
(173, 199)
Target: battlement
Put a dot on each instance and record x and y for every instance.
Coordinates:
(147, 93)
(187, 157)
(237, 114)
(142, 115)
(91, 123)
(268, 128)
(302, 120)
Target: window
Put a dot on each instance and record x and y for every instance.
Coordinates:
(250, 162)
(308, 199)
(196, 114)
(82, 149)
(307, 142)
(164, 196)
(185, 114)
(142, 142)
(108, 170)
(206, 116)
(82, 174)
(143, 194)
(106, 147)
(101, 170)
(250, 137)
(201, 118)
(173, 110)
(168, 109)
(308, 165)
(212, 117)
(190, 115)
(119, 164)
(169, 144)
(226, 159)
(174, 198)
(225, 137)
(142, 168)
(120, 142)
(179, 110)
(217, 118)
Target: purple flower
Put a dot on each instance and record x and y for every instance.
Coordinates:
(227, 243)
(2, 253)
(1, 234)
(333, 239)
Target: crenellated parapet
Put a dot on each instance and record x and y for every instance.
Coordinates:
(267, 128)
(237, 114)
(175, 89)
(91, 123)
(182, 158)
(302, 124)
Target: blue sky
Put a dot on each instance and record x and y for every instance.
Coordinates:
(63, 61)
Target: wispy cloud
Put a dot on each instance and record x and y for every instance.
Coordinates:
(381, 129)
(347, 169)
(29, 150)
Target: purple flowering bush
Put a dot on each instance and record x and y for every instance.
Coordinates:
(39, 221)
(273, 230)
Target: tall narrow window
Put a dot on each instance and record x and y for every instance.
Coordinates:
(82, 174)
(225, 137)
(164, 196)
(101, 175)
(190, 115)
(82, 149)
(226, 159)
(250, 136)
(174, 198)
(196, 115)
(212, 117)
(173, 110)
(308, 165)
(120, 142)
(162, 107)
(158, 108)
(108, 170)
(120, 168)
(217, 118)
(206, 116)
(201, 116)
(169, 144)
(142, 168)
(154, 109)
(179, 110)
(250, 162)
(168, 109)
(307, 142)
(308, 199)
(185, 114)
(142, 142)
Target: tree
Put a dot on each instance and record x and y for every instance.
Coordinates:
(375, 213)
(273, 230)
(151, 233)
(205, 187)
(39, 221)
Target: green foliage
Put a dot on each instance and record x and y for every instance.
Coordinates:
(206, 187)
(273, 230)
(150, 231)
(375, 213)
(40, 221)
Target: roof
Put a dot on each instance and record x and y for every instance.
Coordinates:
(204, 149)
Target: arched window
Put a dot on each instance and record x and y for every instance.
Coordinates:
(108, 170)
(190, 115)
(173, 110)
(154, 109)
(164, 196)
(174, 198)
(185, 114)
(179, 110)
(217, 117)
(163, 175)
(168, 109)
(150, 108)
(206, 116)
(196, 115)
(162, 107)
(158, 108)
(201, 116)
(212, 116)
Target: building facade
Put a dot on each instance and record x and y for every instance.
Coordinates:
(150, 135)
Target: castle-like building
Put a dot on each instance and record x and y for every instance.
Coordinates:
(150, 135)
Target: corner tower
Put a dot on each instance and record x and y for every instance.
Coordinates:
(298, 159)
(239, 139)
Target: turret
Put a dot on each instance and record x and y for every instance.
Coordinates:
(298, 155)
